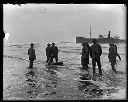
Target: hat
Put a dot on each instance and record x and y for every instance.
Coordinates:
(48, 44)
(53, 43)
(111, 44)
(31, 44)
(94, 40)
(83, 44)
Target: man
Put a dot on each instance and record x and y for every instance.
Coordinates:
(95, 53)
(112, 56)
(54, 53)
(85, 56)
(48, 52)
(32, 56)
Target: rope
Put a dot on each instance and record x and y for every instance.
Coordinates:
(118, 62)
(77, 55)
(72, 58)
(20, 58)
(40, 52)
(103, 57)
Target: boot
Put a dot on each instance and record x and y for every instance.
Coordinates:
(113, 68)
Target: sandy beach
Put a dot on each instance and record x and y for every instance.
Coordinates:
(62, 82)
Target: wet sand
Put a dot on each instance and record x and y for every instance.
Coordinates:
(60, 83)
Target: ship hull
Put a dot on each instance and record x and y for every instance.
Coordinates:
(102, 40)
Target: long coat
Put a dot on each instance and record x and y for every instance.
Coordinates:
(85, 55)
(31, 53)
(95, 51)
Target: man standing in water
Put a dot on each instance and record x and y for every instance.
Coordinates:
(85, 56)
(48, 52)
(54, 53)
(32, 56)
(95, 53)
(112, 56)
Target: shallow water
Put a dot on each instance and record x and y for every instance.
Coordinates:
(59, 83)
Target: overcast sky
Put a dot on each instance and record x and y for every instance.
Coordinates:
(56, 23)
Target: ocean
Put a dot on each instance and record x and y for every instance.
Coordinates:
(62, 83)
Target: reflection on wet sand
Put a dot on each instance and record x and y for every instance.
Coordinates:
(88, 88)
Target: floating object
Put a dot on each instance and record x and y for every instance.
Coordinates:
(56, 64)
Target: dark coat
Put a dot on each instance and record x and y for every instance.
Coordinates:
(53, 51)
(113, 53)
(95, 51)
(31, 53)
(47, 51)
(85, 55)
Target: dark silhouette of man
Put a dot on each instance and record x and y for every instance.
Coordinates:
(54, 53)
(95, 53)
(48, 52)
(112, 56)
(32, 56)
(85, 56)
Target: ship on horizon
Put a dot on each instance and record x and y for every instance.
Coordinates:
(100, 39)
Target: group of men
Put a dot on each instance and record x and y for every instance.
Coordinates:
(95, 52)
(51, 52)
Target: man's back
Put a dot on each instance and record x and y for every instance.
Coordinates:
(112, 52)
(47, 51)
(85, 51)
(31, 52)
(96, 50)
(54, 50)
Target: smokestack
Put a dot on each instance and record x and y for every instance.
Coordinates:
(90, 31)
(109, 34)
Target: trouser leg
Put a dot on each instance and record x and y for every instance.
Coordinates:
(84, 64)
(83, 67)
(31, 64)
(50, 59)
(47, 59)
(86, 67)
(56, 58)
(99, 65)
(113, 66)
(93, 65)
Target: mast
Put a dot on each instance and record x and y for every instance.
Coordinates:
(90, 31)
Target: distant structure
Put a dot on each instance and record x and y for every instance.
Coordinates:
(101, 39)
(109, 34)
